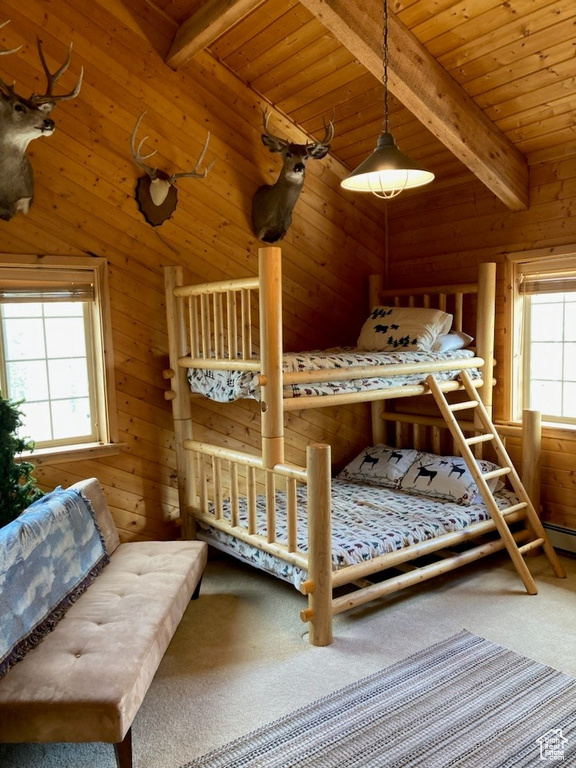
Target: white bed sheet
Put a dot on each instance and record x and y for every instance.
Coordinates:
(366, 522)
(229, 385)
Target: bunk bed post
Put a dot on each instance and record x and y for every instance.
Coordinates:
(486, 311)
(180, 396)
(319, 613)
(531, 450)
(270, 271)
(375, 284)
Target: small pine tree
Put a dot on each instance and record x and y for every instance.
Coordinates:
(17, 486)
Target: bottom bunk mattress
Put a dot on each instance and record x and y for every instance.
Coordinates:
(367, 521)
(225, 386)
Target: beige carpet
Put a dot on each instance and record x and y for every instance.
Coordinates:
(239, 658)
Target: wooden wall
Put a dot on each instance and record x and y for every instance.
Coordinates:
(448, 233)
(84, 204)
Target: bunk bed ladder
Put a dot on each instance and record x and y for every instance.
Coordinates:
(487, 433)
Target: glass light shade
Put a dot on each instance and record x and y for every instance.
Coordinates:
(387, 171)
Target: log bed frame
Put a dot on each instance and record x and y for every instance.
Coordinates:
(212, 324)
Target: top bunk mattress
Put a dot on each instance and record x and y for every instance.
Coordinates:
(226, 386)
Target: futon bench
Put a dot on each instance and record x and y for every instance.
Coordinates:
(87, 678)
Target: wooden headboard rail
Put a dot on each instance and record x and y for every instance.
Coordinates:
(448, 298)
(451, 298)
(220, 324)
(424, 432)
(454, 299)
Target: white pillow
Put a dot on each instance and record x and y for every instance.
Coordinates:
(410, 329)
(446, 477)
(449, 342)
(379, 465)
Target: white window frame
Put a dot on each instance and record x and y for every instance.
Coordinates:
(100, 350)
(526, 265)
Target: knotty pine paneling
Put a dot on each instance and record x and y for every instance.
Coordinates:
(84, 204)
(514, 59)
(446, 234)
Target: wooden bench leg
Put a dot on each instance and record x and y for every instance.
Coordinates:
(196, 594)
(123, 751)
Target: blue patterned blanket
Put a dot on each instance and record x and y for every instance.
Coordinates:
(48, 557)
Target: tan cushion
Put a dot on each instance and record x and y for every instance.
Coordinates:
(92, 489)
(87, 678)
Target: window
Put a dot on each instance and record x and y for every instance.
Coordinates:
(55, 354)
(544, 322)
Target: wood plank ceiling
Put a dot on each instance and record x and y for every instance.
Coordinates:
(486, 87)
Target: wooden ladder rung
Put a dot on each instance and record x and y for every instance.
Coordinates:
(497, 473)
(479, 439)
(463, 406)
(530, 546)
(499, 517)
(514, 508)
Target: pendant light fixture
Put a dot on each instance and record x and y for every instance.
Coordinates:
(387, 171)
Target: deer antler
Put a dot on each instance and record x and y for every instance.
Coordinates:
(328, 134)
(329, 130)
(8, 50)
(139, 158)
(52, 77)
(196, 173)
(136, 152)
(265, 118)
(6, 89)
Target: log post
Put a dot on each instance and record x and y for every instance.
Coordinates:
(486, 311)
(270, 303)
(319, 611)
(180, 396)
(531, 450)
(375, 285)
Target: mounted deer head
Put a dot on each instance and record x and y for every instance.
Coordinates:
(156, 193)
(272, 204)
(21, 121)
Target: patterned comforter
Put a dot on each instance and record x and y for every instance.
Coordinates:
(367, 521)
(227, 386)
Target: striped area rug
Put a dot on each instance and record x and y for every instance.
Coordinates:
(462, 703)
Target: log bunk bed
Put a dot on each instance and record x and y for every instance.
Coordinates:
(291, 516)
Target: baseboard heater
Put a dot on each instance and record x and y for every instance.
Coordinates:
(561, 538)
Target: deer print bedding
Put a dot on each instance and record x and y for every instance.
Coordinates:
(366, 522)
(227, 386)
(419, 472)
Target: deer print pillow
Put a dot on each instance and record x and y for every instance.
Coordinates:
(379, 465)
(403, 329)
(446, 477)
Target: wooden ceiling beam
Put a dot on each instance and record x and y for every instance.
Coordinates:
(203, 26)
(430, 93)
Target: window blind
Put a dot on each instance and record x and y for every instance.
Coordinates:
(546, 276)
(547, 283)
(18, 287)
(36, 294)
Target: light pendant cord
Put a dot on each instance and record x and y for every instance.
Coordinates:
(387, 171)
(385, 62)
